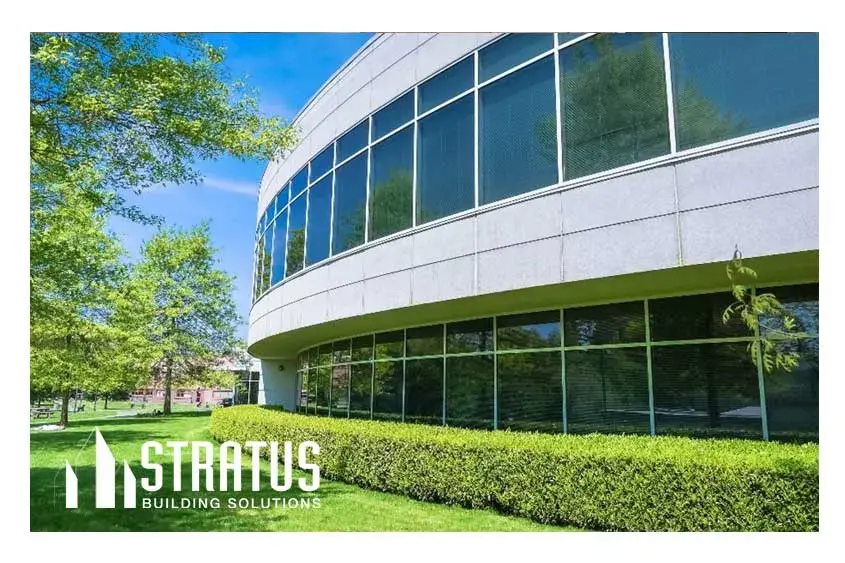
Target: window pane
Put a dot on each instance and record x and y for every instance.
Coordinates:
(792, 398)
(529, 388)
(312, 391)
(445, 161)
(341, 352)
(565, 37)
(424, 391)
(340, 391)
(279, 247)
(360, 390)
(319, 221)
(532, 330)
(313, 357)
(259, 264)
(614, 102)
(511, 50)
(299, 182)
(606, 324)
(266, 259)
(518, 133)
(324, 356)
(732, 84)
(801, 302)
(469, 336)
(692, 317)
(350, 202)
(425, 341)
(607, 391)
(392, 184)
(391, 117)
(387, 391)
(353, 141)
(296, 236)
(457, 78)
(323, 391)
(469, 391)
(362, 348)
(303, 392)
(390, 344)
(321, 163)
(706, 390)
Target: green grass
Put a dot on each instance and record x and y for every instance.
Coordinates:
(115, 407)
(343, 507)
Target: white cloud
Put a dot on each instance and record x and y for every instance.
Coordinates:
(232, 186)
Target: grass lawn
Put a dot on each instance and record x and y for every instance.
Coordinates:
(115, 407)
(343, 507)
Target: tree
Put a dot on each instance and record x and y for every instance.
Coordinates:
(141, 109)
(195, 317)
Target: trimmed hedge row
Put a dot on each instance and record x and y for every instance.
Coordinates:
(596, 481)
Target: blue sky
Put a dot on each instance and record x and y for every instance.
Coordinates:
(287, 68)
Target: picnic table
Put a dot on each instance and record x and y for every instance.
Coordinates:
(40, 412)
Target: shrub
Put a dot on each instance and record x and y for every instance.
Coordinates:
(595, 481)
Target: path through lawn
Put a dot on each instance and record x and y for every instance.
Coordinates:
(343, 507)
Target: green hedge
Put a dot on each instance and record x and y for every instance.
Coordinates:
(596, 481)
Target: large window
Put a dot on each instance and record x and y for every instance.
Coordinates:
(280, 228)
(319, 221)
(445, 166)
(350, 203)
(614, 107)
(610, 374)
(353, 141)
(458, 78)
(731, 84)
(296, 235)
(392, 184)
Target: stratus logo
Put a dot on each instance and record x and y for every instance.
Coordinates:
(202, 472)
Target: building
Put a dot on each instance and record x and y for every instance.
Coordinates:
(245, 390)
(530, 231)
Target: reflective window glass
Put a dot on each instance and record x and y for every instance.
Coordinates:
(445, 161)
(266, 260)
(732, 84)
(341, 352)
(387, 391)
(324, 390)
(393, 116)
(792, 398)
(321, 164)
(392, 184)
(353, 140)
(566, 37)
(362, 348)
(618, 323)
(390, 344)
(425, 341)
(693, 317)
(469, 391)
(279, 247)
(529, 389)
(319, 221)
(801, 302)
(614, 105)
(518, 133)
(469, 336)
(447, 84)
(312, 391)
(340, 391)
(296, 236)
(511, 50)
(530, 330)
(350, 202)
(360, 390)
(299, 182)
(324, 355)
(424, 391)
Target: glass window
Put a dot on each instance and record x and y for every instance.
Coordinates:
(458, 78)
(296, 236)
(321, 163)
(511, 50)
(312, 391)
(566, 37)
(390, 344)
(801, 302)
(266, 260)
(445, 161)
(393, 116)
(314, 357)
(526, 331)
(319, 221)
(424, 391)
(469, 391)
(792, 398)
(618, 323)
(302, 407)
(387, 391)
(732, 84)
(362, 348)
(392, 184)
(323, 391)
(518, 133)
(341, 352)
(353, 140)
(529, 388)
(340, 391)
(259, 264)
(469, 336)
(280, 229)
(360, 390)
(607, 391)
(299, 182)
(692, 317)
(614, 105)
(425, 341)
(350, 203)
(706, 390)
(282, 198)
(324, 355)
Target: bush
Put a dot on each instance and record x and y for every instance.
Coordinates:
(595, 481)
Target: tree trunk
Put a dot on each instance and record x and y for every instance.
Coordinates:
(106, 403)
(168, 380)
(65, 404)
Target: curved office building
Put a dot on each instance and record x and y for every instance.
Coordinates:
(530, 232)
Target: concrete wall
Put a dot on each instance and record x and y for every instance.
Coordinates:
(277, 384)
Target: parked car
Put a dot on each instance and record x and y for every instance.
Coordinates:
(227, 402)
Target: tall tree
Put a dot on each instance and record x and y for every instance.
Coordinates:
(195, 317)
